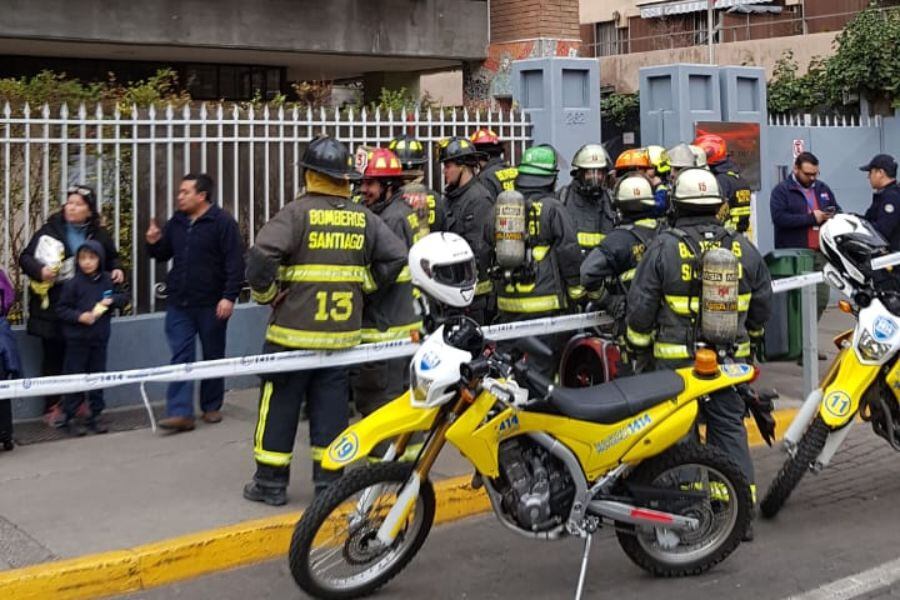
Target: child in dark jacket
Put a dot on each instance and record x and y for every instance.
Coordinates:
(84, 308)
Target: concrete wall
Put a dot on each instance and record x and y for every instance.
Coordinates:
(140, 342)
(445, 88)
(426, 28)
(595, 11)
(622, 71)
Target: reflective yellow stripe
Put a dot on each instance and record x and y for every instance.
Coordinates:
(744, 302)
(409, 455)
(528, 305)
(670, 351)
(641, 340)
(756, 332)
(323, 273)
(400, 332)
(404, 275)
(539, 253)
(263, 414)
(649, 223)
(312, 340)
(316, 453)
(587, 239)
(368, 282)
(740, 211)
(266, 296)
(576, 292)
(628, 275)
(683, 305)
(484, 287)
(743, 350)
(273, 459)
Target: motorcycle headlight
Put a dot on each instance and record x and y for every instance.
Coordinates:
(870, 349)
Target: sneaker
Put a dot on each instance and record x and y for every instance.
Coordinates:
(177, 424)
(55, 417)
(273, 496)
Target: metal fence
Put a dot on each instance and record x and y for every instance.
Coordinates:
(134, 158)
(823, 120)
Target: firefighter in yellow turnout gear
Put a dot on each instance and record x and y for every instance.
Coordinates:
(313, 262)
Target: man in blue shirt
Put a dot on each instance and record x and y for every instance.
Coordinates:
(799, 205)
(884, 213)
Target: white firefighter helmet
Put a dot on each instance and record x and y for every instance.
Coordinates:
(443, 266)
(591, 156)
(683, 157)
(700, 154)
(697, 188)
(850, 243)
(634, 193)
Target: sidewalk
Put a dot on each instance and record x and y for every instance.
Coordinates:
(66, 499)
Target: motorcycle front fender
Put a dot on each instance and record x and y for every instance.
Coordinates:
(841, 397)
(391, 420)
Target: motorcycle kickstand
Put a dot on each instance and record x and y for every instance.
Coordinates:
(584, 566)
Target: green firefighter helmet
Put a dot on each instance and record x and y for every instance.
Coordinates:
(539, 160)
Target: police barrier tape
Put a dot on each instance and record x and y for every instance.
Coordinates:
(297, 360)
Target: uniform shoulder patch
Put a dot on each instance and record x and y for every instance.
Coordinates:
(888, 208)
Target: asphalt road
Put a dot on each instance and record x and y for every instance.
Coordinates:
(838, 524)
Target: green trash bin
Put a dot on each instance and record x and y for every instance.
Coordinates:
(784, 331)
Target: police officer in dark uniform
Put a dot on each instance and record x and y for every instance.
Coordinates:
(664, 301)
(470, 214)
(733, 186)
(494, 172)
(413, 159)
(884, 213)
(312, 262)
(389, 312)
(586, 199)
(548, 281)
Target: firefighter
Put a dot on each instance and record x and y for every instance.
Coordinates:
(389, 312)
(494, 172)
(733, 186)
(470, 214)
(685, 156)
(659, 177)
(587, 199)
(667, 317)
(413, 159)
(312, 262)
(546, 280)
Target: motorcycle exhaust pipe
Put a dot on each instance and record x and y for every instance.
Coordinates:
(633, 515)
(834, 441)
(804, 417)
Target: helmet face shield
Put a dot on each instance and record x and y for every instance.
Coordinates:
(592, 180)
(461, 274)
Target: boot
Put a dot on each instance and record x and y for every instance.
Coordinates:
(97, 425)
(322, 478)
(269, 485)
(73, 427)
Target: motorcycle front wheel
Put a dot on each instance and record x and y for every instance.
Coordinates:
(334, 551)
(794, 468)
(723, 506)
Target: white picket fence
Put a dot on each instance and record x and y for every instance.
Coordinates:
(135, 158)
(811, 120)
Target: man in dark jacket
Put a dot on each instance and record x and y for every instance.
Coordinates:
(79, 220)
(799, 205)
(85, 310)
(470, 214)
(884, 213)
(203, 285)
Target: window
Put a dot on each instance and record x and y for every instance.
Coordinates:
(701, 28)
(610, 39)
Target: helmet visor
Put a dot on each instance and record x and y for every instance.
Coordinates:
(461, 274)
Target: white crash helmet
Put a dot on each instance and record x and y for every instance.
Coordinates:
(697, 189)
(634, 193)
(443, 266)
(849, 242)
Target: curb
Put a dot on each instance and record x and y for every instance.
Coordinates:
(193, 555)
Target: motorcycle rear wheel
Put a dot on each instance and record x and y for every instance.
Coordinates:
(794, 468)
(724, 514)
(337, 510)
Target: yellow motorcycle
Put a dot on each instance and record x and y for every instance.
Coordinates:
(563, 463)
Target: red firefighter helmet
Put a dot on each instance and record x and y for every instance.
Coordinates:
(382, 164)
(715, 147)
(487, 141)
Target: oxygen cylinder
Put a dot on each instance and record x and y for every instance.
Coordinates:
(416, 197)
(719, 297)
(510, 229)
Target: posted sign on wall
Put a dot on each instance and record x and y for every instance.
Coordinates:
(743, 146)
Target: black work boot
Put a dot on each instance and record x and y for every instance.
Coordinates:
(322, 478)
(269, 485)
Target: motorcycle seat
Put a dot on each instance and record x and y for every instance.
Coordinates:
(615, 401)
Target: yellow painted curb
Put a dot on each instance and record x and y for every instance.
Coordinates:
(196, 554)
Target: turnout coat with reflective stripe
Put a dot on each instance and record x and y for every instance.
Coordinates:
(594, 218)
(664, 299)
(316, 258)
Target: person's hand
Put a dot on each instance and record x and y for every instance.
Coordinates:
(224, 309)
(87, 318)
(822, 216)
(106, 302)
(47, 274)
(154, 233)
(117, 275)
